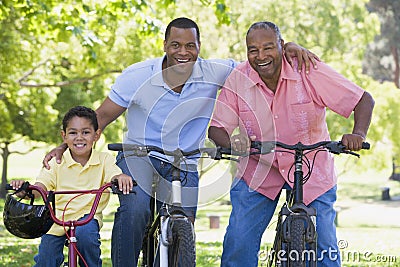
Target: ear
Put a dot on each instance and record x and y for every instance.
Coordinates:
(282, 44)
(97, 135)
(63, 135)
(165, 46)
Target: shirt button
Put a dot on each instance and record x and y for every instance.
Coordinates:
(282, 171)
(276, 116)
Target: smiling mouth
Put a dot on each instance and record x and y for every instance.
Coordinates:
(80, 145)
(264, 64)
(182, 60)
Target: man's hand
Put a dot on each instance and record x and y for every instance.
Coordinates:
(241, 143)
(353, 142)
(125, 183)
(303, 55)
(57, 153)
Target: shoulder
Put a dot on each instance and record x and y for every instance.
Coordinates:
(216, 70)
(143, 65)
(102, 156)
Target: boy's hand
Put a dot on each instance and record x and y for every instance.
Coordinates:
(16, 184)
(125, 183)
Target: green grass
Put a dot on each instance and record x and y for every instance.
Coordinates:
(369, 226)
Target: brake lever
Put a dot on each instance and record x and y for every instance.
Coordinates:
(230, 158)
(351, 153)
(338, 148)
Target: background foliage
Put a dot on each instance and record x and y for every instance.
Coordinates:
(57, 54)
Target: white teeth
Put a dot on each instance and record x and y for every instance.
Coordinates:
(80, 145)
(264, 64)
(183, 60)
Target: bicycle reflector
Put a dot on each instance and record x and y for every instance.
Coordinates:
(26, 220)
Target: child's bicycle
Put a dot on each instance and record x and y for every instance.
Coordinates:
(295, 241)
(170, 238)
(30, 218)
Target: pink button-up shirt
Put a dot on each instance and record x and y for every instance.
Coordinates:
(294, 113)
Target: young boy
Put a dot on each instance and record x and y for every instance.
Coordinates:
(81, 168)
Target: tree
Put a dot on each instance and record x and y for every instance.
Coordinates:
(57, 54)
(383, 55)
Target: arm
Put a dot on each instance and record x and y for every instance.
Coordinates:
(108, 112)
(303, 56)
(362, 120)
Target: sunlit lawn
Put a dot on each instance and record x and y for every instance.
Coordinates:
(369, 226)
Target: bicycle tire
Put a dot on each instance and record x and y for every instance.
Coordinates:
(297, 246)
(182, 251)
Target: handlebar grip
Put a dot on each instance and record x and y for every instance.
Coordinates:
(9, 187)
(115, 147)
(365, 145)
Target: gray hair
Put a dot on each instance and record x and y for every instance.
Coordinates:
(265, 25)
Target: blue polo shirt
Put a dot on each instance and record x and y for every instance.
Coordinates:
(156, 115)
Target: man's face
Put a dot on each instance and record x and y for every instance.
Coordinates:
(182, 49)
(264, 53)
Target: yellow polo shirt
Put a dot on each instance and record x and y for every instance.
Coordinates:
(70, 175)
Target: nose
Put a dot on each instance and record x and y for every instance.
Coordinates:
(262, 54)
(79, 135)
(183, 50)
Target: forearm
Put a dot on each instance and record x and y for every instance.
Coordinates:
(219, 136)
(363, 114)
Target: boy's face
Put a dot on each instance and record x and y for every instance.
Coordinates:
(80, 136)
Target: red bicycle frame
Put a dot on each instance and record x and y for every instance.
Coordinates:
(72, 224)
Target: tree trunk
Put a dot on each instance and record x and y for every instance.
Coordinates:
(5, 153)
(396, 77)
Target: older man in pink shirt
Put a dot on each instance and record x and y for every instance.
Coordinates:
(267, 100)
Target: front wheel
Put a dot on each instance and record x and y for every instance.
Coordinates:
(182, 250)
(297, 244)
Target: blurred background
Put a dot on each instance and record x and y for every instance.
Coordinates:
(58, 54)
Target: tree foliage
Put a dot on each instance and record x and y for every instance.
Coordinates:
(382, 61)
(57, 54)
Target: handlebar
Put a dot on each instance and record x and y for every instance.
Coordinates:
(48, 196)
(335, 147)
(144, 150)
(217, 153)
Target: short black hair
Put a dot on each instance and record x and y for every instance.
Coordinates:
(182, 23)
(82, 112)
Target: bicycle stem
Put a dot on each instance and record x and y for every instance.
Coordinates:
(298, 175)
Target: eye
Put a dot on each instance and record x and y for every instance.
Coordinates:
(190, 46)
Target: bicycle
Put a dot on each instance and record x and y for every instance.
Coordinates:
(70, 226)
(296, 235)
(169, 237)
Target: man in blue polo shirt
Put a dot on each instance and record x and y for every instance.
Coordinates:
(168, 103)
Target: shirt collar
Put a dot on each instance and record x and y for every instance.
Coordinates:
(157, 78)
(287, 72)
(93, 160)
